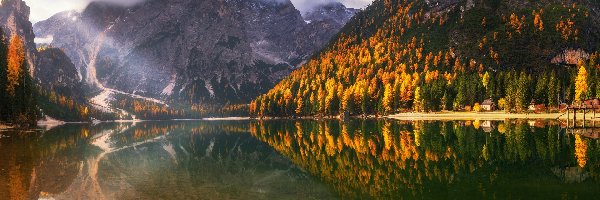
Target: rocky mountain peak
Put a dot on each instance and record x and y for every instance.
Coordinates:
(333, 11)
(14, 20)
(195, 51)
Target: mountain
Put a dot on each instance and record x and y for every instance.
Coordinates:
(56, 72)
(197, 52)
(18, 54)
(333, 12)
(49, 67)
(431, 55)
(14, 20)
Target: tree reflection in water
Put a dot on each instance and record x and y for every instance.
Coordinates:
(439, 160)
(285, 159)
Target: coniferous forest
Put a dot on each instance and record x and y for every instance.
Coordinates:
(17, 90)
(399, 56)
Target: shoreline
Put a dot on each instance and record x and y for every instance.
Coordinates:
(450, 116)
(443, 116)
(5, 126)
(493, 116)
(226, 119)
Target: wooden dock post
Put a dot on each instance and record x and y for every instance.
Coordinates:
(584, 111)
(574, 117)
(568, 117)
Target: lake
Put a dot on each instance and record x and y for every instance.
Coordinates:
(303, 159)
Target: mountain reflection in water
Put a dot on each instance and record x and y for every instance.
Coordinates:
(166, 160)
(285, 159)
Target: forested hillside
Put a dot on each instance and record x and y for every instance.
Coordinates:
(417, 55)
(17, 91)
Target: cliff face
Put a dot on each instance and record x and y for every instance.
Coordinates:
(56, 72)
(196, 51)
(14, 20)
(336, 13)
(50, 67)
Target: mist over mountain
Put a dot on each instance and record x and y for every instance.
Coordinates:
(199, 52)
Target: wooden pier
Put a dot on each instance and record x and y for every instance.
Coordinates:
(587, 108)
(589, 132)
(586, 126)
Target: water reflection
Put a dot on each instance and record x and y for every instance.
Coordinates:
(440, 160)
(167, 160)
(361, 159)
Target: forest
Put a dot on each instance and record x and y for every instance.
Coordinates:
(403, 56)
(17, 90)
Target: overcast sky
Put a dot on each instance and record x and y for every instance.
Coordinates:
(43, 9)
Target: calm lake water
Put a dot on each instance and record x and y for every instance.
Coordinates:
(362, 159)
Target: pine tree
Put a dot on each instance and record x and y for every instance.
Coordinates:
(364, 101)
(597, 90)
(332, 99)
(521, 92)
(20, 88)
(541, 92)
(4, 108)
(552, 90)
(460, 95)
(511, 91)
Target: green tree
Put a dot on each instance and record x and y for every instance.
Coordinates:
(4, 108)
(541, 89)
(511, 91)
(461, 93)
(521, 92)
(20, 89)
(553, 90)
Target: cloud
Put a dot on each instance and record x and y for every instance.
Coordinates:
(43, 9)
(123, 2)
(305, 5)
(44, 40)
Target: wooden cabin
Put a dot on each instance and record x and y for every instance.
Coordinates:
(592, 103)
(488, 105)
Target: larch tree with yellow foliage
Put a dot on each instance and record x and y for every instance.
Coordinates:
(418, 102)
(16, 58)
(388, 99)
(19, 86)
(581, 85)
